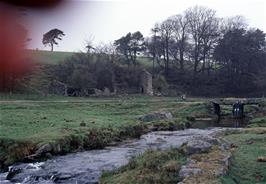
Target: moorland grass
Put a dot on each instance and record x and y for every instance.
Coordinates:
(244, 167)
(79, 122)
(40, 118)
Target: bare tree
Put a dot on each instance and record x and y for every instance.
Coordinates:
(107, 52)
(201, 23)
(179, 36)
(231, 23)
(165, 31)
(209, 41)
(155, 46)
(89, 44)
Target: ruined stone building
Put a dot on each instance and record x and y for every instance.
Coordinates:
(146, 83)
(107, 85)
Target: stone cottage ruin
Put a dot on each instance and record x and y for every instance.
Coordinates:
(108, 87)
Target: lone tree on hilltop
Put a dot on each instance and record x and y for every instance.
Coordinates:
(50, 37)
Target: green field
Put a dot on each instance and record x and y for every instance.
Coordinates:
(40, 118)
(90, 122)
(55, 57)
(47, 119)
(48, 57)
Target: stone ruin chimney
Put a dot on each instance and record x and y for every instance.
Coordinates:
(146, 83)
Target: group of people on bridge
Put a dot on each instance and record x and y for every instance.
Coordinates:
(237, 111)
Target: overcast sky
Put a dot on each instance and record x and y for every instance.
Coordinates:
(105, 21)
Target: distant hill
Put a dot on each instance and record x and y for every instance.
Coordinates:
(48, 57)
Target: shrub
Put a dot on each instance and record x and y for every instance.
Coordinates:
(160, 84)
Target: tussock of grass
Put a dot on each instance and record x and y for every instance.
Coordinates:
(150, 167)
(12, 151)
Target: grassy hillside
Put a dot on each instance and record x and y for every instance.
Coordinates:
(48, 57)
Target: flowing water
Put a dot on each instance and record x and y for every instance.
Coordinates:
(86, 167)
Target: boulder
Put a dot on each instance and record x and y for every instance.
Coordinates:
(12, 172)
(209, 139)
(57, 148)
(44, 149)
(155, 116)
(197, 146)
(209, 158)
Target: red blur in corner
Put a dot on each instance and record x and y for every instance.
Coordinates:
(34, 3)
(13, 36)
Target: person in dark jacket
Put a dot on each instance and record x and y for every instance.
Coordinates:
(238, 110)
(238, 113)
(217, 111)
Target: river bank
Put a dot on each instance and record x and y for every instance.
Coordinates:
(40, 130)
(87, 166)
(237, 157)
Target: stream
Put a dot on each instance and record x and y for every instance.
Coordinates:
(86, 167)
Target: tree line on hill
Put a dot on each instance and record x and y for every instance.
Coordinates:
(204, 54)
(195, 52)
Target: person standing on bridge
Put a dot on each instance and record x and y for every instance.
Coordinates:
(238, 113)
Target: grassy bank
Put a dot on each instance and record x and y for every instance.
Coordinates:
(48, 57)
(155, 167)
(55, 57)
(150, 167)
(70, 124)
(244, 167)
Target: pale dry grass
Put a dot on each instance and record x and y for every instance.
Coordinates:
(212, 165)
